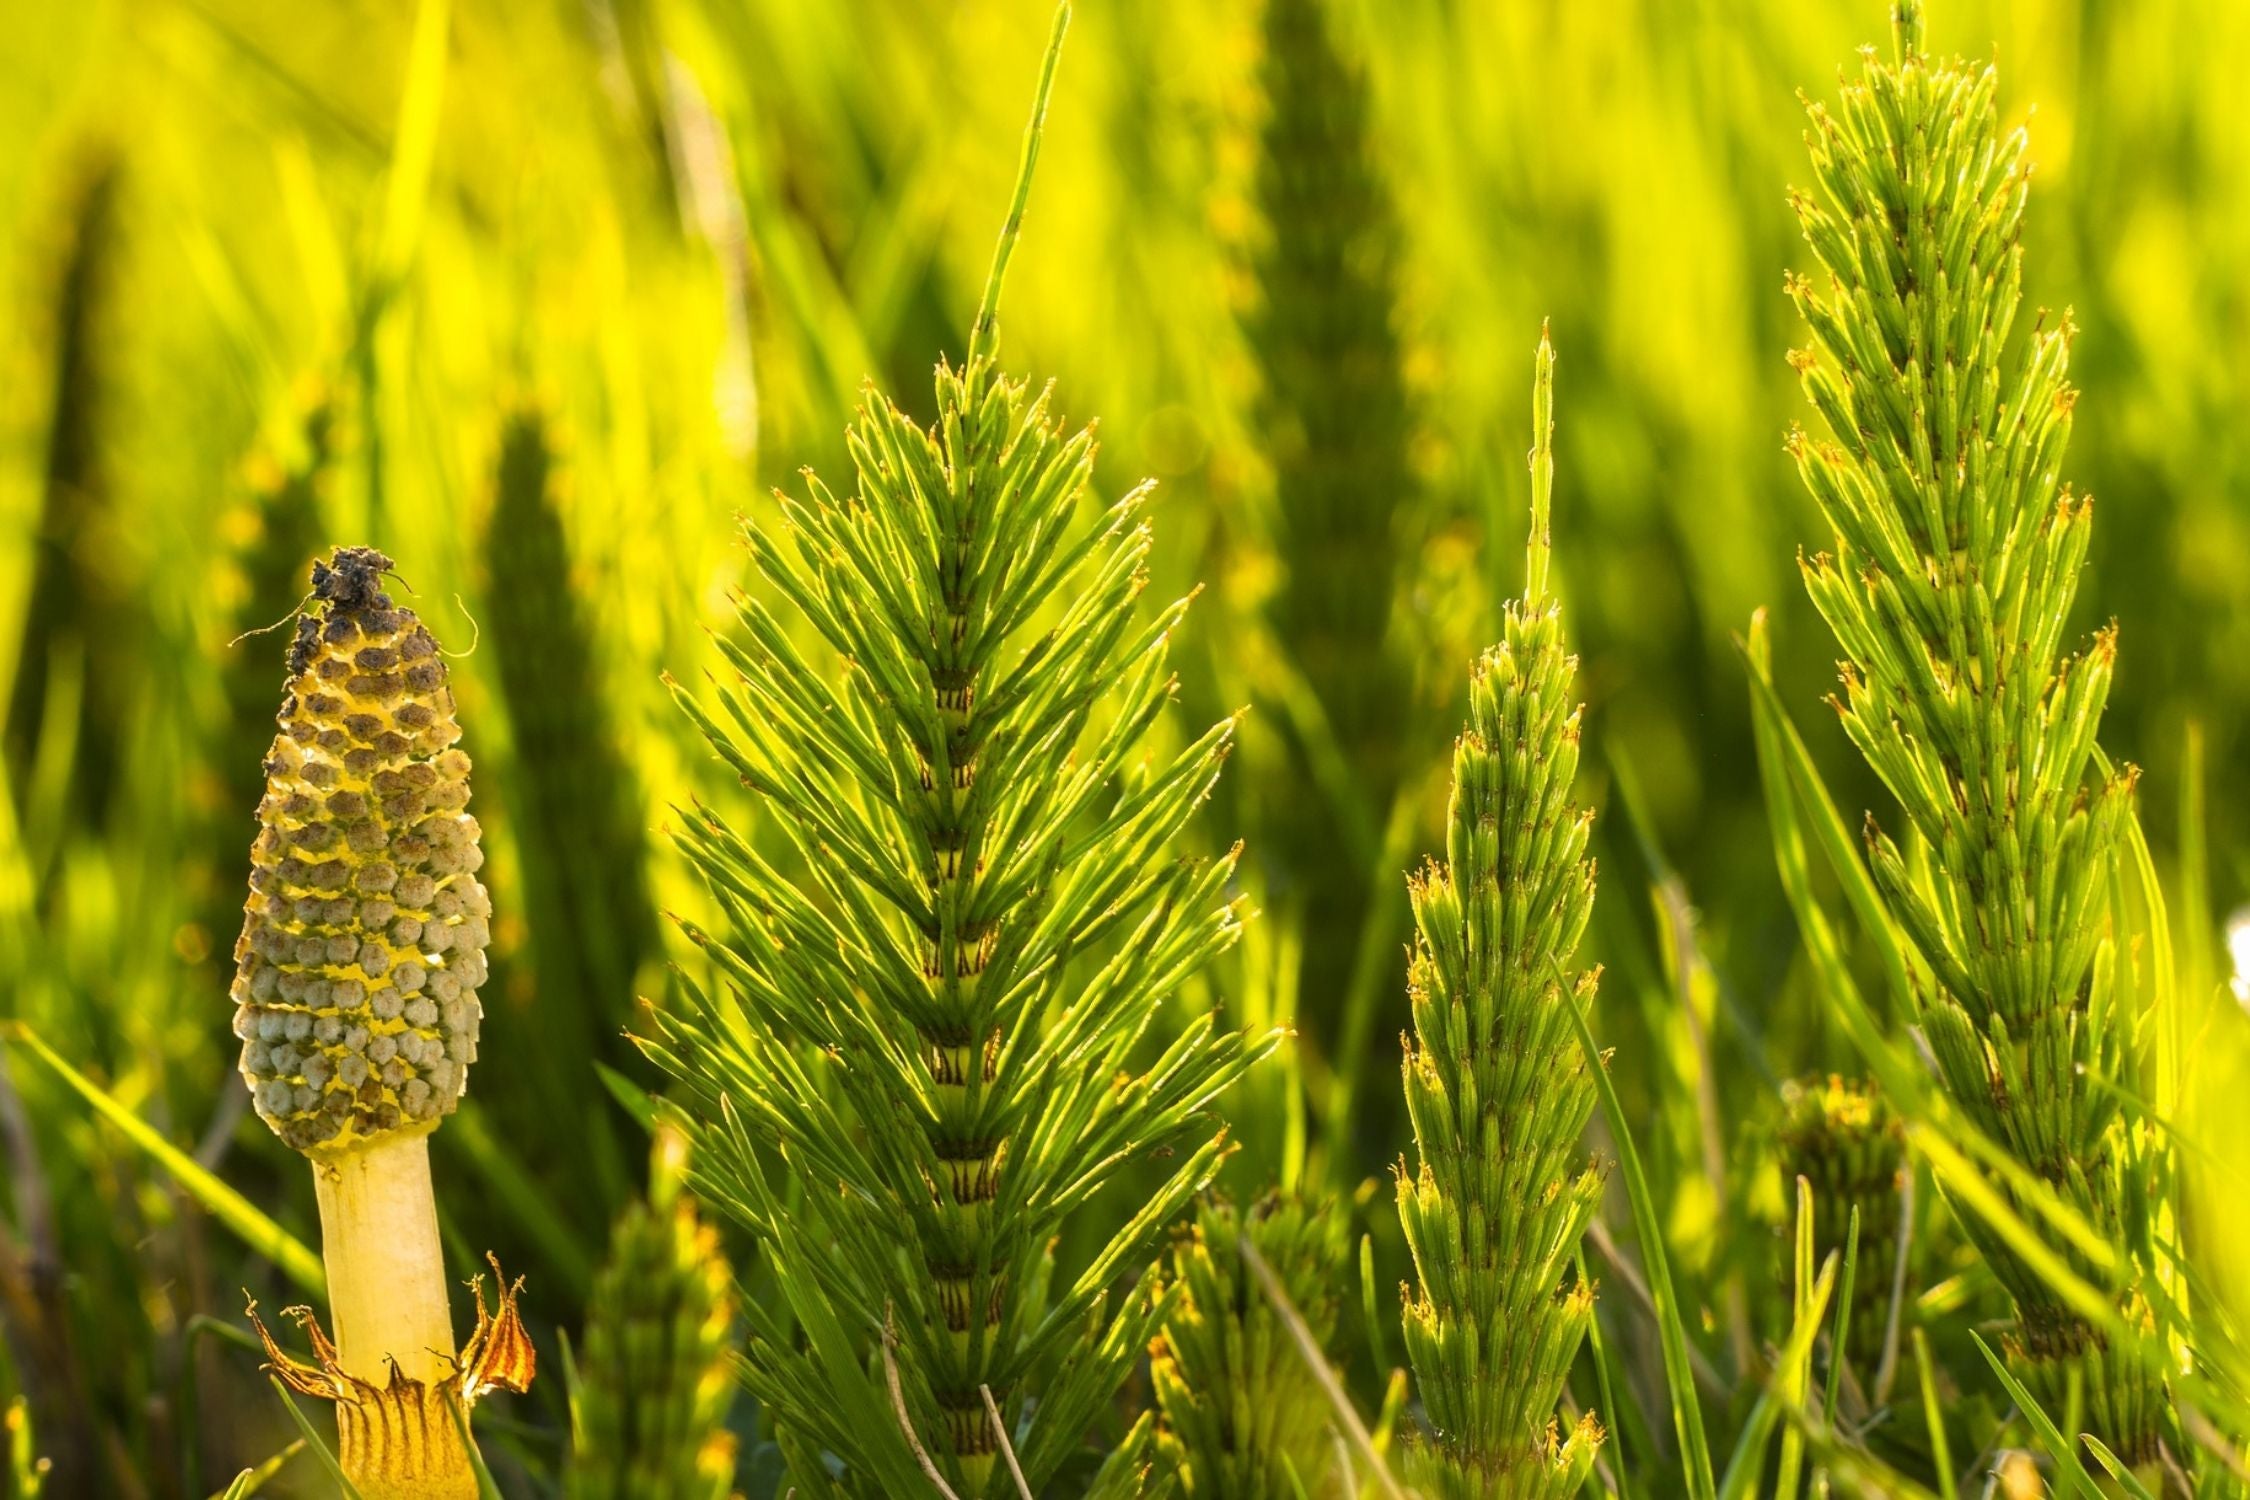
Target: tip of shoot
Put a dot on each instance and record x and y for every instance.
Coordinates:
(984, 334)
(1542, 461)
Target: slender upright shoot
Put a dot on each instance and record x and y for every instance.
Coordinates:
(1244, 1417)
(1496, 1082)
(574, 805)
(656, 1377)
(1841, 1139)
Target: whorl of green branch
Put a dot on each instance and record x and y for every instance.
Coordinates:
(943, 1016)
(1243, 1418)
(1957, 552)
(1496, 1084)
(1333, 409)
(1847, 1144)
(654, 1378)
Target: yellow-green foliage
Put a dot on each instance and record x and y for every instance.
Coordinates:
(994, 911)
(73, 654)
(293, 261)
(274, 531)
(1332, 421)
(574, 803)
(1842, 1139)
(574, 796)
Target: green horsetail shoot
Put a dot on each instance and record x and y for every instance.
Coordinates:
(1956, 556)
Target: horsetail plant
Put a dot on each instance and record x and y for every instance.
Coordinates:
(1243, 1417)
(355, 999)
(573, 777)
(655, 1379)
(1333, 407)
(1957, 552)
(942, 1027)
(1496, 1084)
(574, 805)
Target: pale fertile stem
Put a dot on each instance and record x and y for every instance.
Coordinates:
(386, 1271)
(355, 1000)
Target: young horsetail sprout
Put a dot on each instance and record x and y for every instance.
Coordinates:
(355, 999)
(1844, 1141)
(1957, 553)
(946, 1024)
(655, 1380)
(1496, 1084)
(1243, 1417)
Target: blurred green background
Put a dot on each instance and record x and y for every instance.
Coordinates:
(541, 298)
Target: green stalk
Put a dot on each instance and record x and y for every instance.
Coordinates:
(1243, 1416)
(81, 619)
(1843, 1140)
(575, 809)
(655, 1377)
(276, 531)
